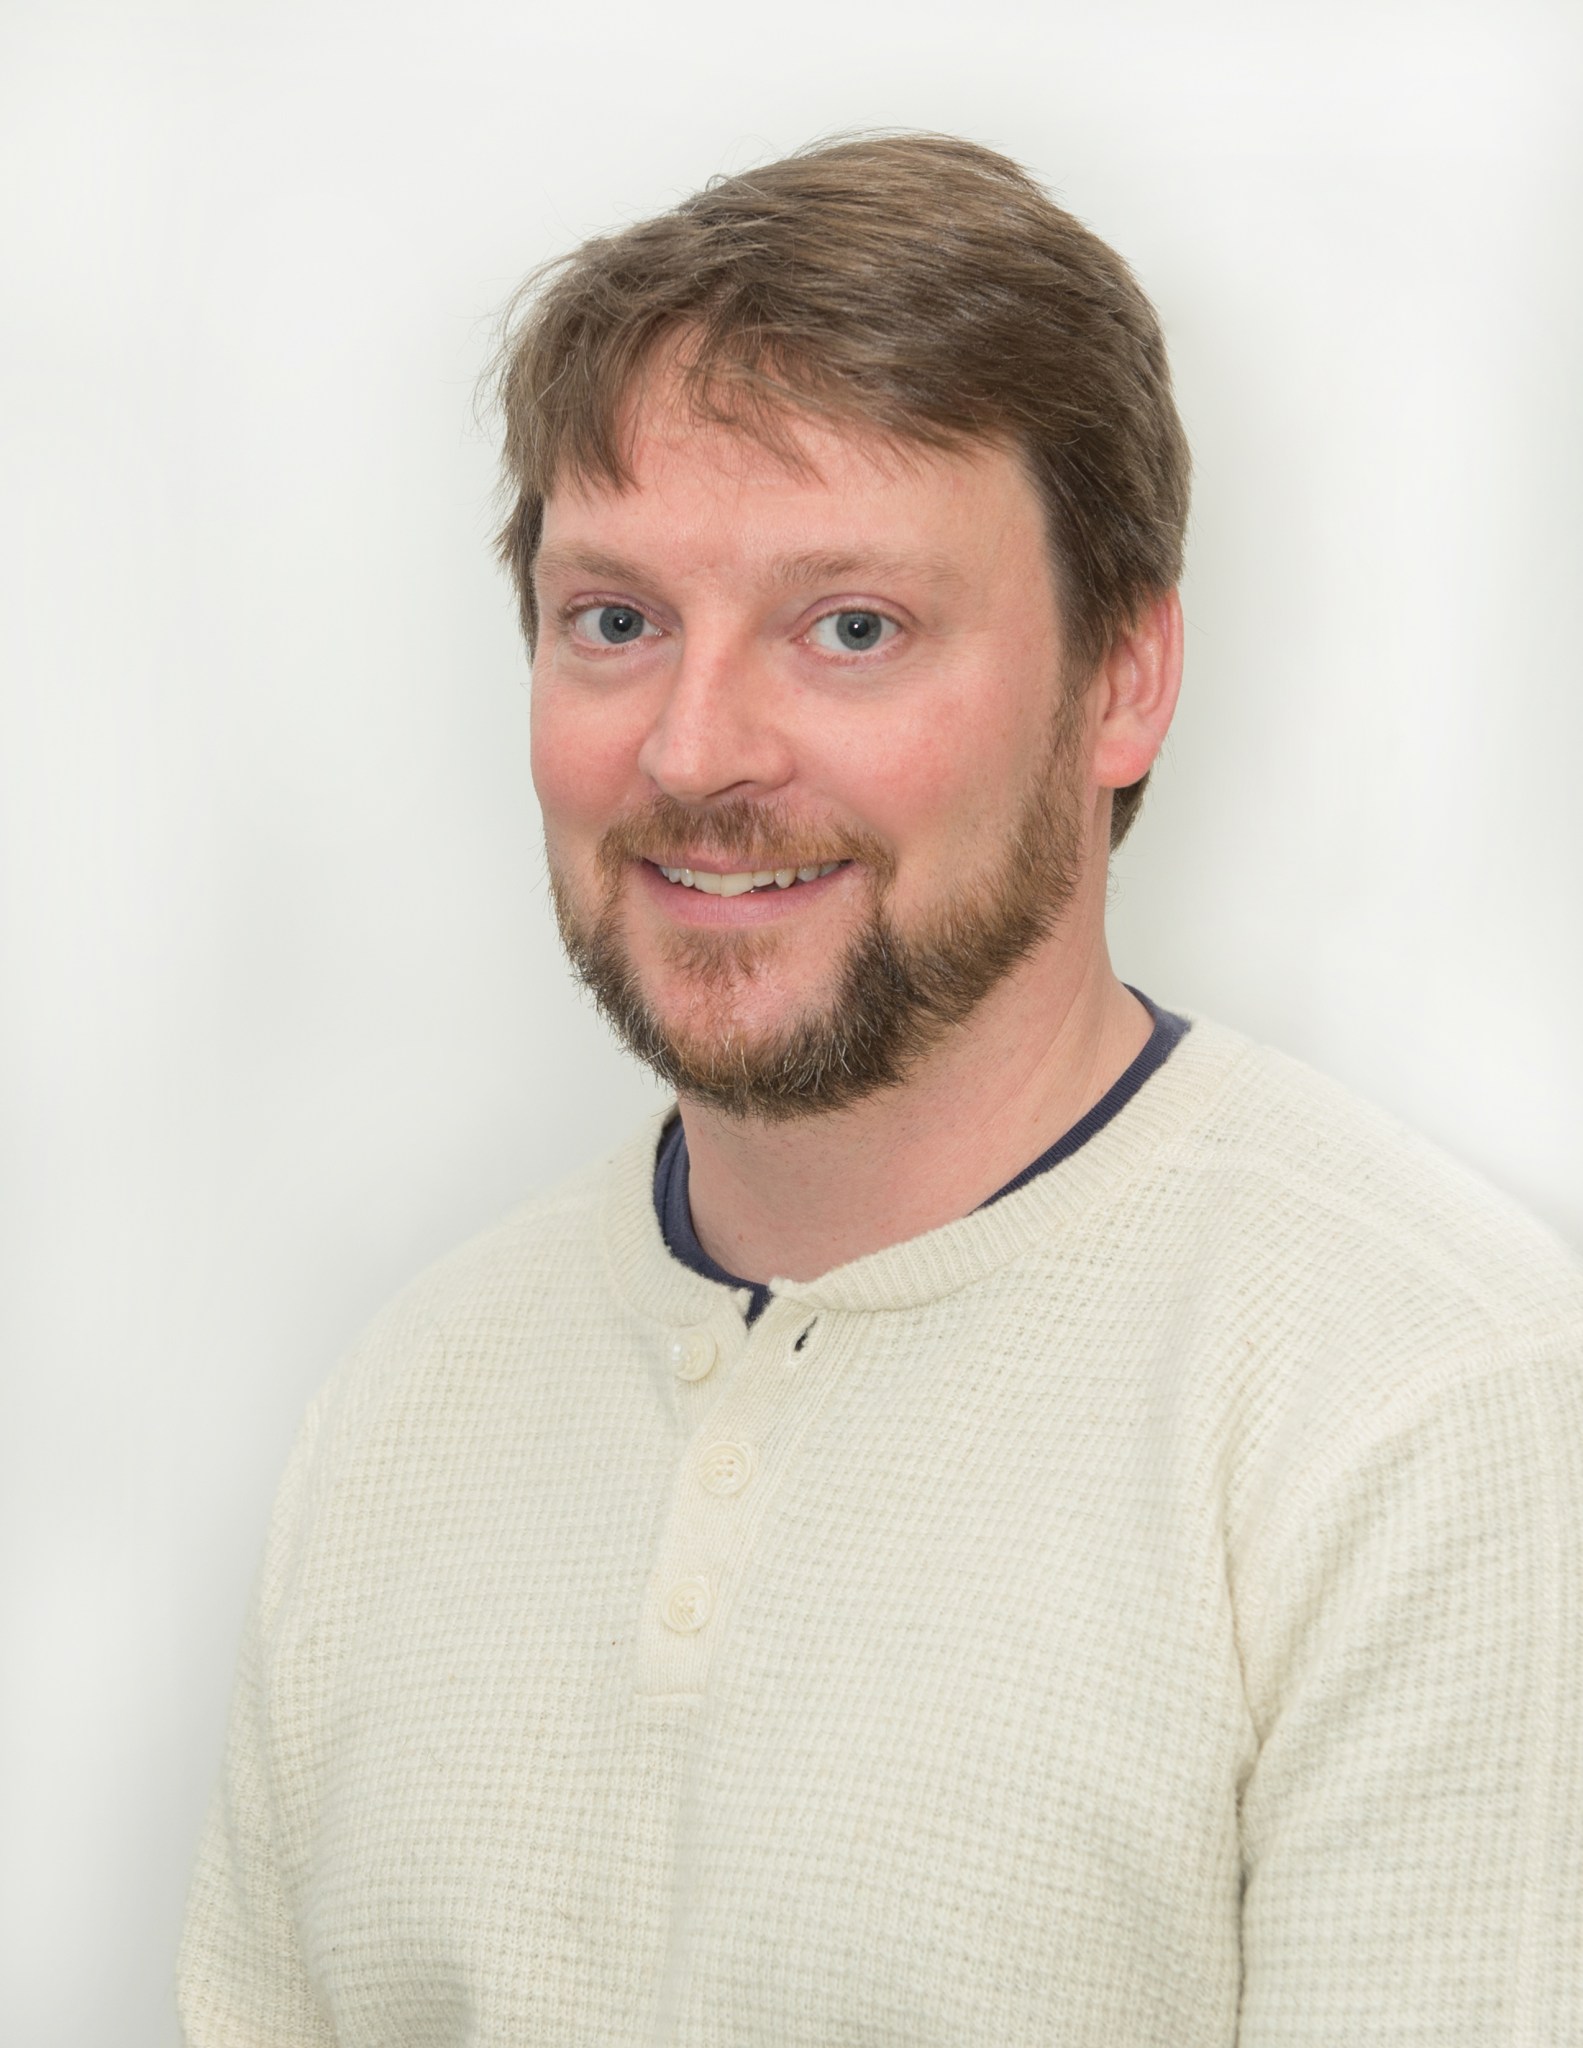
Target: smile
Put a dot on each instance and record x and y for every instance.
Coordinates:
(740, 884)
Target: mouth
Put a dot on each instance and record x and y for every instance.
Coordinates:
(745, 881)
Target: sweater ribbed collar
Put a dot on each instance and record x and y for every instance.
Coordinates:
(1171, 1104)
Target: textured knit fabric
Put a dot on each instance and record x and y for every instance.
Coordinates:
(1147, 1613)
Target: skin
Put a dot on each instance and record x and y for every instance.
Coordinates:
(923, 745)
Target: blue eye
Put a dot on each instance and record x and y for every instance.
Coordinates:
(853, 632)
(610, 625)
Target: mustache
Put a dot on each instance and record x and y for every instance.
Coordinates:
(754, 835)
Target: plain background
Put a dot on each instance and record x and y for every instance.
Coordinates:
(283, 1013)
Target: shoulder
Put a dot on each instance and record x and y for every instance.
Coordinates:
(1333, 1196)
(544, 1260)
(438, 1373)
(1361, 1292)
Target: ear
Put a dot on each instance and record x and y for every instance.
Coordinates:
(1134, 692)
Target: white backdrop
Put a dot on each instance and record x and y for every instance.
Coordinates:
(284, 1015)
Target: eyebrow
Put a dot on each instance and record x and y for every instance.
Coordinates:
(586, 562)
(788, 571)
(861, 564)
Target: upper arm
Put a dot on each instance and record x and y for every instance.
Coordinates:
(1413, 1825)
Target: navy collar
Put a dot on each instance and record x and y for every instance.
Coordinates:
(675, 1214)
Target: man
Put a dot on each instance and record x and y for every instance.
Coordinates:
(1017, 1516)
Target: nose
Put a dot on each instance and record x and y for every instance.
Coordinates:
(717, 731)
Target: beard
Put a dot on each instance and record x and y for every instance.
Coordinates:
(897, 993)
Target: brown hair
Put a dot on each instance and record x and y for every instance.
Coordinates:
(920, 284)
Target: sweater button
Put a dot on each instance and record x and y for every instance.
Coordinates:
(688, 1605)
(725, 1468)
(691, 1353)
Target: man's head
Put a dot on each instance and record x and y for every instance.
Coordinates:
(890, 379)
(916, 284)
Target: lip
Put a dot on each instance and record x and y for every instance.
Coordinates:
(753, 907)
(711, 864)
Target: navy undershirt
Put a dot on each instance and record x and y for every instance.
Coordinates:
(671, 1166)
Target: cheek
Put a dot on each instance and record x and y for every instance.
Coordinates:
(927, 784)
(583, 763)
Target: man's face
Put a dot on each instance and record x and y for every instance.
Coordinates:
(841, 680)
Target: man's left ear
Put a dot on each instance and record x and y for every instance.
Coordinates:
(1136, 689)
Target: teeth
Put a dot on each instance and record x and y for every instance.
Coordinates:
(739, 885)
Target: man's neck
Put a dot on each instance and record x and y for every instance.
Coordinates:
(792, 1200)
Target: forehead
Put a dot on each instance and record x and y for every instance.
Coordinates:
(806, 501)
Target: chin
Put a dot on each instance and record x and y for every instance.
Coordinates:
(724, 1014)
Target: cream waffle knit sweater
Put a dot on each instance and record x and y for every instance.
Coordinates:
(1147, 1613)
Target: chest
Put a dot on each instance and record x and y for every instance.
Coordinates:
(716, 1720)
